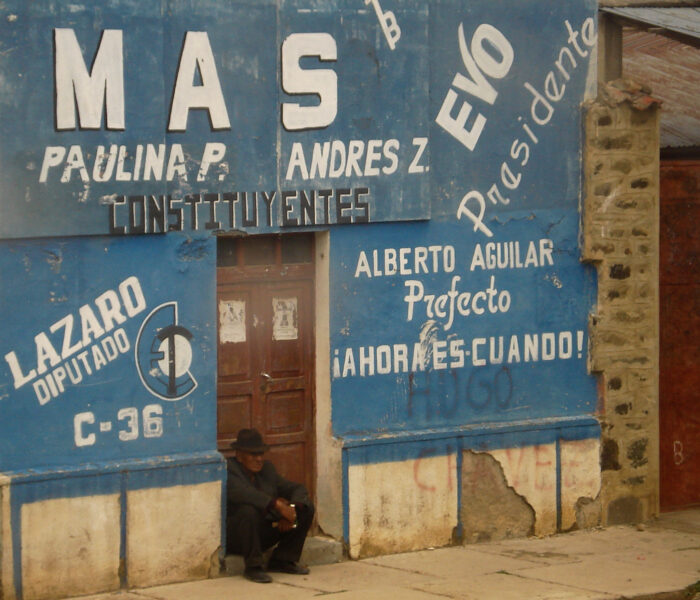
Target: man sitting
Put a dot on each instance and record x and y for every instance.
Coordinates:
(264, 509)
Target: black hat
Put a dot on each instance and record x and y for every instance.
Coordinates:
(250, 440)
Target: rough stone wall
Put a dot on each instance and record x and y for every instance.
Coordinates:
(620, 235)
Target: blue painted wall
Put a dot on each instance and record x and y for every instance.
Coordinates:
(463, 123)
(380, 96)
(77, 393)
(477, 367)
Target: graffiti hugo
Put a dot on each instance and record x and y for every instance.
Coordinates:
(75, 350)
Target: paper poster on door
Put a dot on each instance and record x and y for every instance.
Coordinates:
(284, 319)
(231, 321)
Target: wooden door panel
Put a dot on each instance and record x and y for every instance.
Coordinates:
(236, 364)
(285, 412)
(679, 392)
(679, 300)
(265, 377)
(234, 414)
(291, 460)
(287, 418)
(286, 358)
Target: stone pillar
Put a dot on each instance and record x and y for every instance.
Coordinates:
(620, 236)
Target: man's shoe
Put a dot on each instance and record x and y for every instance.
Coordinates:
(257, 574)
(287, 566)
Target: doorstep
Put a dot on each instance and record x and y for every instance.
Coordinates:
(318, 550)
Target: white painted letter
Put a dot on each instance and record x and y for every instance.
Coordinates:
(101, 90)
(320, 82)
(213, 153)
(197, 54)
(53, 156)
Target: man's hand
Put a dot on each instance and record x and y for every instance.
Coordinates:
(284, 525)
(288, 512)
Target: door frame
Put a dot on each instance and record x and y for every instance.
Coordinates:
(240, 274)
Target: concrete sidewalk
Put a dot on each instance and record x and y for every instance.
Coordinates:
(657, 560)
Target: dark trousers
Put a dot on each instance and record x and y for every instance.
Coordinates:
(249, 533)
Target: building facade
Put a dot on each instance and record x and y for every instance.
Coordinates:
(372, 230)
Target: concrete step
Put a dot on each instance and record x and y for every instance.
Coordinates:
(318, 550)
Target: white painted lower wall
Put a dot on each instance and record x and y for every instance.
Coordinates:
(173, 533)
(531, 472)
(402, 506)
(580, 479)
(7, 579)
(70, 546)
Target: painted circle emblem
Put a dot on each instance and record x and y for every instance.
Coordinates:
(164, 354)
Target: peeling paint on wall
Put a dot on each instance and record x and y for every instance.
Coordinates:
(491, 509)
(194, 249)
(580, 484)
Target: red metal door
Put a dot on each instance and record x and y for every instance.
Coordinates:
(265, 347)
(679, 375)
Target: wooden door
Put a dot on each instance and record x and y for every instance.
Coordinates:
(679, 299)
(265, 347)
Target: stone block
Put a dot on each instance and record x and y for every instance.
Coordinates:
(619, 271)
(637, 452)
(616, 293)
(615, 381)
(613, 338)
(627, 509)
(622, 165)
(613, 141)
(641, 232)
(610, 455)
(631, 202)
(641, 181)
(318, 550)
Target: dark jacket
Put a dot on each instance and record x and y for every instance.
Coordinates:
(262, 489)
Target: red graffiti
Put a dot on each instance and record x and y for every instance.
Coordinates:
(425, 453)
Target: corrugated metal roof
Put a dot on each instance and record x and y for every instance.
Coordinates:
(672, 70)
(682, 21)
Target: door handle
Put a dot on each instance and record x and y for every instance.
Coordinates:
(264, 381)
